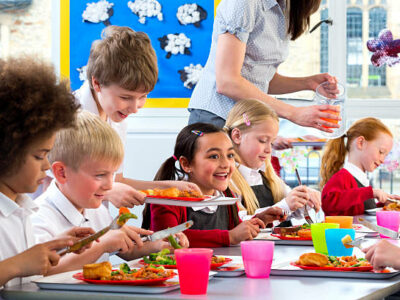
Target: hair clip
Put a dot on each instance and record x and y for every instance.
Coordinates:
(198, 132)
(174, 157)
(246, 120)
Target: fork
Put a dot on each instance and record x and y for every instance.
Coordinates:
(356, 242)
(306, 215)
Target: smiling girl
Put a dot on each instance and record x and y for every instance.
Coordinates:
(204, 155)
(346, 189)
(253, 127)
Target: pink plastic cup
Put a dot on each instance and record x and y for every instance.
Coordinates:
(257, 258)
(388, 219)
(193, 269)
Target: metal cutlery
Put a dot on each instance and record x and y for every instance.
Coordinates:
(306, 215)
(382, 230)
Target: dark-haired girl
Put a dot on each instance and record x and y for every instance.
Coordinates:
(204, 155)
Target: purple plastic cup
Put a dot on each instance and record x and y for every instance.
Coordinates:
(257, 258)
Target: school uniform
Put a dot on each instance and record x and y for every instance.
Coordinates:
(16, 230)
(348, 192)
(260, 186)
(56, 214)
(85, 98)
(211, 223)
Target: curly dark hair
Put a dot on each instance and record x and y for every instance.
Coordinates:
(34, 104)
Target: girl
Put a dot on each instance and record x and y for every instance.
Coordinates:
(253, 126)
(206, 157)
(346, 189)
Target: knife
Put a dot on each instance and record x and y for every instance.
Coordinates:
(382, 230)
(162, 234)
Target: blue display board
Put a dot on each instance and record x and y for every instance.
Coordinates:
(169, 85)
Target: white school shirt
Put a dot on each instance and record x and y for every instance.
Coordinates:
(85, 98)
(208, 209)
(16, 232)
(57, 214)
(357, 173)
(253, 177)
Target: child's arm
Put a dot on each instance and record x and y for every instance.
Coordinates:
(34, 261)
(383, 254)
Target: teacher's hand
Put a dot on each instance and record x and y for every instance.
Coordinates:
(316, 116)
(312, 82)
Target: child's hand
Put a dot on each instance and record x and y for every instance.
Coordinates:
(381, 195)
(184, 185)
(246, 230)
(78, 233)
(315, 199)
(298, 197)
(162, 244)
(271, 214)
(124, 195)
(134, 234)
(38, 259)
(383, 254)
(116, 240)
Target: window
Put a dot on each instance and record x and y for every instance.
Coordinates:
(354, 46)
(324, 42)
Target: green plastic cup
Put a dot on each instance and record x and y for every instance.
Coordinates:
(318, 236)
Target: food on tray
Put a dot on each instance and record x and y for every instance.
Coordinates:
(173, 242)
(347, 239)
(313, 259)
(303, 231)
(97, 271)
(103, 271)
(306, 139)
(321, 260)
(166, 259)
(392, 206)
(172, 192)
(124, 216)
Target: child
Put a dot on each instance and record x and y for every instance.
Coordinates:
(121, 71)
(346, 190)
(206, 157)
(34, 105)
(84, 160)
(253, 126)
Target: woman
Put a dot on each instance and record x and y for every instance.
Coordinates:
(250, 39)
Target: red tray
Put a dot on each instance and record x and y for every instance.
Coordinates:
(179, 198)
(213, 266)
(155, 281)
(291, 238)
(350, 269)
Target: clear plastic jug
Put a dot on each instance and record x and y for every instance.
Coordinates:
(322, 96)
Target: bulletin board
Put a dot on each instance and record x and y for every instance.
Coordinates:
(77, 37)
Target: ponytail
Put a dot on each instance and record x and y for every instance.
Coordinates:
(332, 159)
(168, 171)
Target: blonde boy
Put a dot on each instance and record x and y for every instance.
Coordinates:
(121, 71)
(83, 162)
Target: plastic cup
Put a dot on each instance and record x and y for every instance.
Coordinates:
(318, 236)
(334, 242)
(343, 221)
(193, 269)
(388, 219)
(257, 258)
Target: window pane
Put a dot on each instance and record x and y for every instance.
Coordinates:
(354, 46)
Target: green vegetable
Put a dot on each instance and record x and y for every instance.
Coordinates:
(362, 259)
(125, 268)
(114, 273)
(164, 252)
(160, 258)
(125, 217)
(173, 242)
(356, 265)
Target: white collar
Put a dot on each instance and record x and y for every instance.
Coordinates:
(252, 176)
(85, 96)
(208, 209)
(8, 206)
(357, 173)
(64, 205)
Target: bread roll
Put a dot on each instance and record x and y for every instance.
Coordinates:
(313, 260)
(97, 271)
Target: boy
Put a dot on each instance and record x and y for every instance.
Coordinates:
(32, 108)
(84, 160)
(121, 71)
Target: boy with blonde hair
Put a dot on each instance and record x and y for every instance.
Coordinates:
(121, 71)
(83, 162)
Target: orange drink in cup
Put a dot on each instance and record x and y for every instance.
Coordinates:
(343, 221)
(337, 113)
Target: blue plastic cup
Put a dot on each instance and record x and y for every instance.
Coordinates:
(334, 241)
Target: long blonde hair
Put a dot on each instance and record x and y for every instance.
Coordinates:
(336, 149)
(255, 112)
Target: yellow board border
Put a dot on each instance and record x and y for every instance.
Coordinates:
(65, 62)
